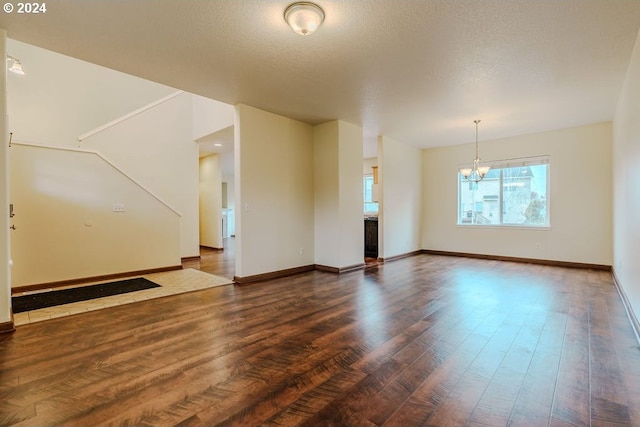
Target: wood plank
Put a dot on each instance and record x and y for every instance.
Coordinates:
(609, 402)
(497, 403)
(534, 402)
(571, 404)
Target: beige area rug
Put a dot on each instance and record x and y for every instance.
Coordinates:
(171, 283)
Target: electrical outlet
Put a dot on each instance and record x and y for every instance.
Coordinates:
(301, 251)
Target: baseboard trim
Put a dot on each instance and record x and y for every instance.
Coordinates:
(273, 274)
(8, 327)
(29, 288)
(523, 260)
(211, 248)
(397, 257)
(635, 325)
(326, 268)
(319, 267)
(338, 270)
(190, 258)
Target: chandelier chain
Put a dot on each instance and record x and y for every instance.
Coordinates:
(477, 172)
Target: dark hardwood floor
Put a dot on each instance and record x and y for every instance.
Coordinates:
(426, 340)
(218, 262)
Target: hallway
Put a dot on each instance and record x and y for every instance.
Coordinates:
(214, 261)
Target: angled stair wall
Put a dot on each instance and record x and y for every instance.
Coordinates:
(67, 223)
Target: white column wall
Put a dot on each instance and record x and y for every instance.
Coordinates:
(351, 198)
(400, 192)
(273, 192)
(339, 228)
(326, 193)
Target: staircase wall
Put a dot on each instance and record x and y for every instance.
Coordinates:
(61, 97)
(157, 149)
(66, 227)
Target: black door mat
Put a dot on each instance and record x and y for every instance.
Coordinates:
(83, 293)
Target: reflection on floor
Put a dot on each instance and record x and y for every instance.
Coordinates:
(371, 262)
(171, 282)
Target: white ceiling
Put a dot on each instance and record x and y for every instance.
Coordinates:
(419, 71)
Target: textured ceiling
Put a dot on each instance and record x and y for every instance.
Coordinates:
(419, 71)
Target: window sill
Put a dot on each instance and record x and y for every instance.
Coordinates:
(507, 227)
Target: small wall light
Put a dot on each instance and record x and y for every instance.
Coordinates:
(304, 17)
(14, 65)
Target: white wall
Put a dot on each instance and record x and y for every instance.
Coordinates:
(626, 184)
(210, 202)
(210, 116)
(580, 198)
(339, 228)
(163, 158)
(400, 192)
(5, 253)
(326, 193)
(351, 198)
(273, 192)
(367, 164)
(60, 98)
(65, 225)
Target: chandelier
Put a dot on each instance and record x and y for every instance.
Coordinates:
(477, 173)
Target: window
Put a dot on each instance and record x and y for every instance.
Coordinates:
(513, 193)
(369, 205)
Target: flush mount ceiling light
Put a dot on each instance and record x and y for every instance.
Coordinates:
(477, 173)
(304, 17)
(14, 65)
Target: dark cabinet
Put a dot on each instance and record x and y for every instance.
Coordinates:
(371, 238)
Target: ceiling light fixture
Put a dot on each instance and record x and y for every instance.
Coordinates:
(477, 173)
(304, 17)
(14, 65)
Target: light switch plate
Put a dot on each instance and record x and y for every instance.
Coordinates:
(119, 207)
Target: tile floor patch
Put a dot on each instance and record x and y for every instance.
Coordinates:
(171, 283)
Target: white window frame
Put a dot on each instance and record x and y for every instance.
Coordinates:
(504, 164)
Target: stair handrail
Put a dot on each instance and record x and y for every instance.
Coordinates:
(129, 115)
(105, 159)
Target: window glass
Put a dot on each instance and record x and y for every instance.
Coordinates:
(513, 193)
(369, 205)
